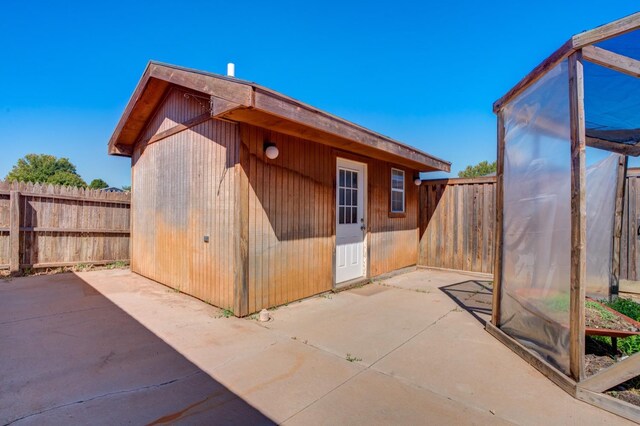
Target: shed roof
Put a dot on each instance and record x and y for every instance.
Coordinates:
(243, 101)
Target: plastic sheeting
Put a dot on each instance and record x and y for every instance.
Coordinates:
(537, 218)
(612, 106)
(601, 176)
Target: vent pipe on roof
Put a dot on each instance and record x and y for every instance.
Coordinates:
(231, 69)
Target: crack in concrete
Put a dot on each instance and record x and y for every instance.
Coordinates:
(369, 367)
(399, 378)
(108, 394)
(407, 382)
(53, 315)
(412, 337)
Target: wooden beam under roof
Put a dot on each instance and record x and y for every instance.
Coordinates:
(243, 101)
(137, 111)
(556, 57)
(327, 123)
(606, 31)
(617, 147)
(558, 129)
(409, 158)
(612, 60)
(232, 90)
(578, 41)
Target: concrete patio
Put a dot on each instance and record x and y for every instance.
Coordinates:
(111, 347)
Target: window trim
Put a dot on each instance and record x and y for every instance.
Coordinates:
(403, 191)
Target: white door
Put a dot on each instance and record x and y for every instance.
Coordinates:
(350, 220)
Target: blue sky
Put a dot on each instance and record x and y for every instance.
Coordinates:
(425, 74)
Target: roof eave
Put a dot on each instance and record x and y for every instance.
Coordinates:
(245, 95)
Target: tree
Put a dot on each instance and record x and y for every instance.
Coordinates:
(483, 168)
(43, 168)
(98, 184)
(126, 188)
(66, 178)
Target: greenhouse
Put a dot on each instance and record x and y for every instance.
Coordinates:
(565, 133)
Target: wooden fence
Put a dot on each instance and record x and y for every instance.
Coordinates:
(51, 226)
(458, 224)
(630, 241)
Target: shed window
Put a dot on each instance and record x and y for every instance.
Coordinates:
(397, 191)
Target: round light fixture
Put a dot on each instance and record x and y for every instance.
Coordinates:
(417, 181)
(272, 152)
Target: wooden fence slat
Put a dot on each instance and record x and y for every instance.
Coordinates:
(458, 225)
(46, 226)
(14, 231)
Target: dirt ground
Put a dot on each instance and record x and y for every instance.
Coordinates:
(600, 356)
(596, 316)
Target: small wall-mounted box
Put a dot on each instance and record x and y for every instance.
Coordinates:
(206, 238)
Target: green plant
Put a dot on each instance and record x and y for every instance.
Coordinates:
(98, 184)
(227, 313)
(604, 314)
(82, 267)
(626, 307)
(43, 168)
(558, 303)
(120, 264)
(352, 358)
(628, 345)
(483, 168)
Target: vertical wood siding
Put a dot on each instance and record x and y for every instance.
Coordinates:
(291, 219)
(458, 224)
(60, 226)
(183, 190)
(393, 241)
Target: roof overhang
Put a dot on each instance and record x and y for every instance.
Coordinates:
(246, 102)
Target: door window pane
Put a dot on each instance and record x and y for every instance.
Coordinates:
(347, 196)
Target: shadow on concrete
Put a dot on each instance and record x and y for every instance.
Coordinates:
(474, 296)
(68, 355)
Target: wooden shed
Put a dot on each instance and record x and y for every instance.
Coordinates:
(248, 199)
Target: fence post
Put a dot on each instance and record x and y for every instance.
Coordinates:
(14, 231)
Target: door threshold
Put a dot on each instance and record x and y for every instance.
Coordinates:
(356, 282)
